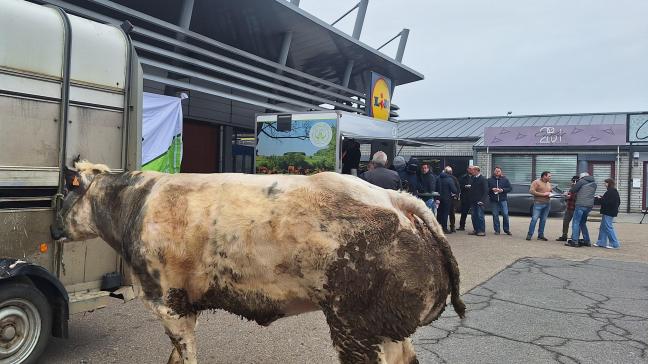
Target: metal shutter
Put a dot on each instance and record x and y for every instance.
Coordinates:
(562, 168)
(517, 168)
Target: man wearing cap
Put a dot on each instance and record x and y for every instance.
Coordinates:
(585, 189)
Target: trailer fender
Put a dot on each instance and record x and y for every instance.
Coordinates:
(47, 283)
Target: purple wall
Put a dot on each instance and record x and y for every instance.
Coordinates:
(564, 135)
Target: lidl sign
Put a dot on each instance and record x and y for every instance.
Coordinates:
(379, 100)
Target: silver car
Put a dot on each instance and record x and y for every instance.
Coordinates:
(520, 201)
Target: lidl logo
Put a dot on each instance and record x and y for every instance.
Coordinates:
(380, 97)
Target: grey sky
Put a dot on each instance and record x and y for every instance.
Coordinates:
(487, 57)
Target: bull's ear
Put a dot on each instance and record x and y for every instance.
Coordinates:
(73, 179)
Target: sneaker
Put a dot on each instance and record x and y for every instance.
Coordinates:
(542, 238)
(481, 234)
(528, 237)
(610, 247)
(599, 245)
(453, 230)
(461, 228)
(562, 238)
(472, 233)
(584, 243)
(497, 233)
(508, 233)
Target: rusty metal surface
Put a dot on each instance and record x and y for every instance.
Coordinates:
(22, 232)
(29, 132)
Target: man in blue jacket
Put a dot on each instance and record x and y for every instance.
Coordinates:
(498, 189)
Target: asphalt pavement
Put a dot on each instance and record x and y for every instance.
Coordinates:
(529, 301)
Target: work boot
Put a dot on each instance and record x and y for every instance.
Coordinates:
(571, 243)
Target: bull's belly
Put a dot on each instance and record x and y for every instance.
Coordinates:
(253, 305)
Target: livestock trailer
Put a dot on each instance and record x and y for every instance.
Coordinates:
(311, 142)
(68, 87)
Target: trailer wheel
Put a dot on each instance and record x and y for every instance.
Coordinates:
(25, 323)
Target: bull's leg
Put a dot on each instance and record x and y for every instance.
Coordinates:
(400, 352)
(181, 331)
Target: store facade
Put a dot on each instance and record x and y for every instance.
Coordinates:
(565, 145)
(237, 59)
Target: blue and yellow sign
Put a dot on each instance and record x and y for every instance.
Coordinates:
(379, 97)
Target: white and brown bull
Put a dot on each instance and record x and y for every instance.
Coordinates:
(265, 247)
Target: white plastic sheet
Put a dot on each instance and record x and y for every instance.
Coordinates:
(161, 123)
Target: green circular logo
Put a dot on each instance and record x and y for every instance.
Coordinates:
(320, 134)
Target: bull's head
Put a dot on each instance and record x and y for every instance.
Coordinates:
(74, 219)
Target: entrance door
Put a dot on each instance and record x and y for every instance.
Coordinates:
(601, 171)
(201, 147)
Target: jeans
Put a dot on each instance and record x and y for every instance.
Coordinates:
(477, 217)
(540, 210)
(579, 222)
(431, 203)
(442, 215)
(606, 232)
(496, 208)
(567, 221)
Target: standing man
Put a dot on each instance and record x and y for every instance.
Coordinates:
(428, 185)
(498, 189)
(446, 188)
(466, 182)
(541, 191)
(478, 200)
(585, 189)
(381, 176)
(569, 213)
(455, 199)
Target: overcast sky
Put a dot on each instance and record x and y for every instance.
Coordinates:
(487, 57)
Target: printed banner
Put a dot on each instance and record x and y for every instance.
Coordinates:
(304, 147)
(638, 128)
(564, 135)
(162, 133)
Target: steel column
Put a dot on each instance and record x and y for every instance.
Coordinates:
(362, 11)
(401, 44)
(347, 73)
(285, 48)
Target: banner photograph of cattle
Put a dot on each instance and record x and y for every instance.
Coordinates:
(375, 261)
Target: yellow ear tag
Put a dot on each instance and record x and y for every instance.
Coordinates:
(75, 181)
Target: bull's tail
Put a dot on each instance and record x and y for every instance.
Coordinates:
(409, 204)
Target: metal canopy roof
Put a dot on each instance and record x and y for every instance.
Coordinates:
(258, 27)
(473, 128)
(317, 48)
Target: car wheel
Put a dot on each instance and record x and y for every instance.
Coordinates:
(25, 323)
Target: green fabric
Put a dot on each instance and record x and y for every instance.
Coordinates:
(168, 162)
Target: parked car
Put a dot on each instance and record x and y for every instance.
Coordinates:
(520, 201)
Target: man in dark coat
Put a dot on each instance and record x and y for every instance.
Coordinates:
(465, 182)
(478, 200)
(428, 185)
(446, 188)
(498, 189)
(454, 206)
(351, 157)
(381, 176)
